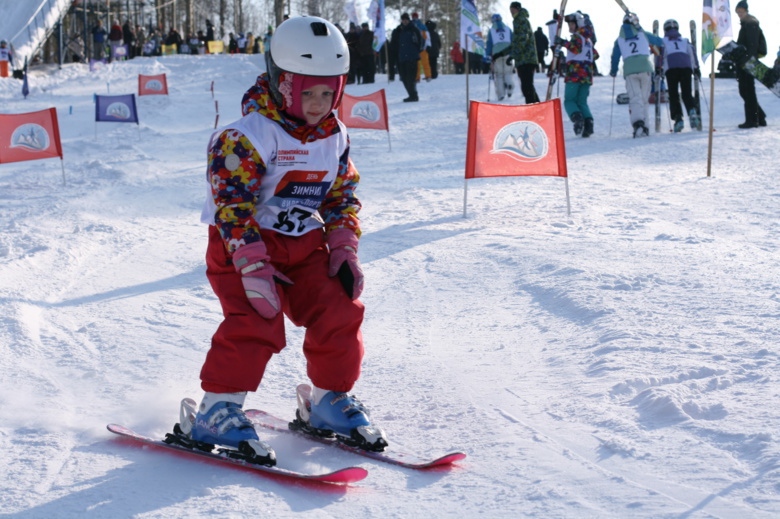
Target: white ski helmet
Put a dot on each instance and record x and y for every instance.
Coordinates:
(671, 24)
(575, 17)
(306, 45)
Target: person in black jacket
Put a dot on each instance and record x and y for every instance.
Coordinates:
(542, 47)
(365, 48)
(434, 49)
(749, 37)
(392, 55)
(410, 43)
(128, 38)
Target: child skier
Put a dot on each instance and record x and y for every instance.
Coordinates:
(283, 240)
(579, 72)
(679, 63)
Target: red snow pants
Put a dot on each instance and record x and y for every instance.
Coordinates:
(245, 342)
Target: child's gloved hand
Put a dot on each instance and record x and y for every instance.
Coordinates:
(259, 278)
(343, 245)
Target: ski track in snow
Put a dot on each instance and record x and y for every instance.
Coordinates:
(620, 362)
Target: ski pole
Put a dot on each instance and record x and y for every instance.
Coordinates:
(668, 113)
(704, 96)
(612, 105)
(490, 76)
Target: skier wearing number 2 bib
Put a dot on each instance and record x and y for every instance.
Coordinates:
(633, 44)
(283, 241)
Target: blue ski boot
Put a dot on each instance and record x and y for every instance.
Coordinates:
(679, 125)
(695, 119)
(221, 421)
(340, 415)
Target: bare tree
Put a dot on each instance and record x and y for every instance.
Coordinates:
(238, 15)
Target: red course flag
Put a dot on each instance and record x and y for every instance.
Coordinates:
(30, 136)
(365, 112)
(152, 85)
(507, 141)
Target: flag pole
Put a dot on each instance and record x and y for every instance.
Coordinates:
(712, 111)
(568, 200)
(465, 195)
(467, 76)
(62, 163)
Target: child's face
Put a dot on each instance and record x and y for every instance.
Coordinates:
(316, 103)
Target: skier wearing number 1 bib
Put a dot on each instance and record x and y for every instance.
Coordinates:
(283, 241)
(680, 62)
(633, 45)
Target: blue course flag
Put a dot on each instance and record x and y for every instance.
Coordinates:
(118, 109)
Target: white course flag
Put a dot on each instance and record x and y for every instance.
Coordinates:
(376, 13)
(715, 26)
(351, 11)
(469, 24)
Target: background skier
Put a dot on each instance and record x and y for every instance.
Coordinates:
(579, 72)
(679, 63)
(498, 48)
(633, 45)
(524, 51)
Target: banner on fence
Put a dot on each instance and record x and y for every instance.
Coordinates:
(120, 52)
(216, 47)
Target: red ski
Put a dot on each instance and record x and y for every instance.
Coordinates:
(402, 459)
(342, 476)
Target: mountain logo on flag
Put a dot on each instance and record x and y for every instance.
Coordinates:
(119, 111)
(31, 137)
(524, 141)
(154, 84)
(367, 111)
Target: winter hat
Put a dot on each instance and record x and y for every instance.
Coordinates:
(515, 5)
(496, 18)
(405, 16)
(742, 4)
(415, 15)
(291, 85)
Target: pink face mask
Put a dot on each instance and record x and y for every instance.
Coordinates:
(291, 86)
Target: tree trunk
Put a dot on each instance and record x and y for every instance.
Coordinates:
(190, 28)
(222, 15)
(279, 11)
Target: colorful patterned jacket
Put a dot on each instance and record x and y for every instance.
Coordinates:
(233, 190)
(580, 71)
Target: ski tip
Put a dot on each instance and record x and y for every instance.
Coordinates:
(447, 459)
(345, 476)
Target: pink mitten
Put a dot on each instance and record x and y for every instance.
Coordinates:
(343, 245)
(259, 278)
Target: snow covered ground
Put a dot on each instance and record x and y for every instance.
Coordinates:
(620, 362)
